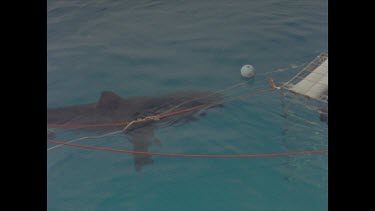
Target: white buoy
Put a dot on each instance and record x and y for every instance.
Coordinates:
(248, 71)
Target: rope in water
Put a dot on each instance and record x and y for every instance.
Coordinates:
(87, 137)
(198, 98)
(157, 117)
(150, 118)
(162, 115)
(190, 155)
(77, 126)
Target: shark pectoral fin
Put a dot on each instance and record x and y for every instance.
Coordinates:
(141, 139)
(141, 159)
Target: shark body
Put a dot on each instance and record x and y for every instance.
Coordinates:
(112, 108)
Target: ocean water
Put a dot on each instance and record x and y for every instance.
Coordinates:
(144, 47)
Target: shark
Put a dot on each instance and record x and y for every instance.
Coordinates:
(112, 108)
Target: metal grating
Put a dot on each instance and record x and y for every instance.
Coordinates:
(312, 81)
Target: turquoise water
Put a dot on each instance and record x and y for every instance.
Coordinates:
(154, 47)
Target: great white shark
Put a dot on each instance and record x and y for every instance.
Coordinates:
(112, 108)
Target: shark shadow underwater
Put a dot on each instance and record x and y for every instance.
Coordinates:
(112, 108)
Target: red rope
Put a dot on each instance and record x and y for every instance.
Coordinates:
(190, 155)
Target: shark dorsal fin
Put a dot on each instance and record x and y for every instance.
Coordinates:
(108, 100)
